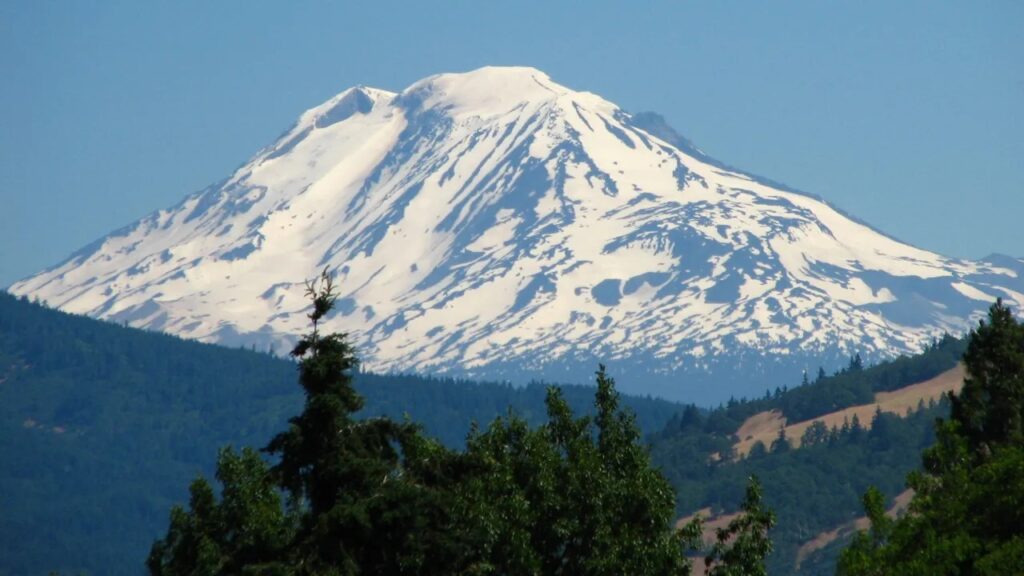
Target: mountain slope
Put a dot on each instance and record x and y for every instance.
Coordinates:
(497, 224)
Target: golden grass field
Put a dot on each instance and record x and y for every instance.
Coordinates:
(764, 426)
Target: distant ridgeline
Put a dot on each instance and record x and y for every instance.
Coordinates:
(102, 427)
(817, 487)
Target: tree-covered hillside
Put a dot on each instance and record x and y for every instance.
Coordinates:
(102, 427)
(819, 486)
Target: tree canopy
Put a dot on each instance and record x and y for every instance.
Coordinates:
(576, 495)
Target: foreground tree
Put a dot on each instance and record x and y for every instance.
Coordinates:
(576, 496)
(363, 496)
(375, 496)
(967, 515)
(741, 548)
(365, 510)
(245, 532)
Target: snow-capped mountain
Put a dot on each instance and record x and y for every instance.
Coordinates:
(499, 225)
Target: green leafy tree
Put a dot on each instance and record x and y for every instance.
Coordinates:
(742, 547)
(575, 496)
(246, 531)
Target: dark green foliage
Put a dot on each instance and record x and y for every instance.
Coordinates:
(811, 489)
(247, 530)
(856, 384)
(576, 496)
(102, 428)
(143, 413)
(967, 515)
(852, 386)
(741, 548)
(366, 496)
(990, 409)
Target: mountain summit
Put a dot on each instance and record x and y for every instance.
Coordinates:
(499, 225)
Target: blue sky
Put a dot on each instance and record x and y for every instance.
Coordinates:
(905, 114)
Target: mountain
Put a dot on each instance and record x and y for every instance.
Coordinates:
(102, 428)
(495, 224)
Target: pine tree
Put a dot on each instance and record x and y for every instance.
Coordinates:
(967, 515)
(781, 442)
(365, 509)
(990, 408)
(364, 496)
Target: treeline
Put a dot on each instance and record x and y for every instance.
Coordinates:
(966, 472)
(852, 385)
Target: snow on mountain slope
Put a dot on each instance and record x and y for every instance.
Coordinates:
(499, 225)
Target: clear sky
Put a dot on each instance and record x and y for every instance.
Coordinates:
(905, 114)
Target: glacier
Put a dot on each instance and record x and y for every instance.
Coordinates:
(495, 224)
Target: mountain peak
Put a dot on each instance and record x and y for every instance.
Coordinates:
(485, 91)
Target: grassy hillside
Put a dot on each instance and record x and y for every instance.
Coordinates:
(858, 428)
(102, 428)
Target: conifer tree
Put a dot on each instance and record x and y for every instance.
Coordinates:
(967, 514)
(990, 408)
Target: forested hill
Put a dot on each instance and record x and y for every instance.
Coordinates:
(817, 487)
(102, 427)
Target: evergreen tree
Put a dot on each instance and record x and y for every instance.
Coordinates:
(781, 443)
(967, 515)
(365, 508)
(990, 408)
(364, 496)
